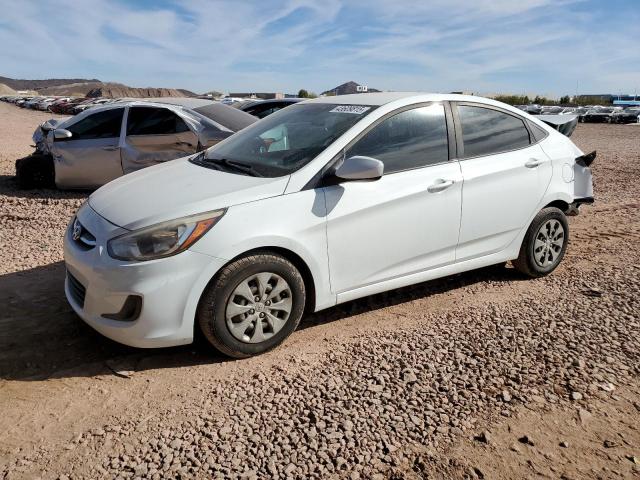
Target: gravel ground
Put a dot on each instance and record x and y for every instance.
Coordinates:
(37, 217)
(431, 381)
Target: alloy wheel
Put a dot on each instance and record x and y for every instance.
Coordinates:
(548, 243)
(259, 307)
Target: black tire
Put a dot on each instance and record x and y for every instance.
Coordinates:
(35, 171)
(526, 262)
(213, 304)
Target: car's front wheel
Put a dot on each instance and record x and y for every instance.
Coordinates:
(544, 243)
(252, 305)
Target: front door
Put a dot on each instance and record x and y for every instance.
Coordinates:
(407, 221)
(91, 156)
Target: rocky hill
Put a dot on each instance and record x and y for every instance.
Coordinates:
(90, 88)
(22, 84)
(348, 88)
(120, 91)
(6, 90)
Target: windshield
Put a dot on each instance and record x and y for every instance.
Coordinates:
(287, 140)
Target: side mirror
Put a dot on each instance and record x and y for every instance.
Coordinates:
(61, 134)
(360, 168)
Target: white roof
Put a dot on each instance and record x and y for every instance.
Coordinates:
(407, 98)
(382, 98)
(376, 98)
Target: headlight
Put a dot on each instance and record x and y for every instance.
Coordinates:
(164, 239)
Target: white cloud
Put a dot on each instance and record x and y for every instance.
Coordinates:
(482, 45)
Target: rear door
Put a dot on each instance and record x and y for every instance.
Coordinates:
(506, 175)
(91, 156)
(155, 135)
(407, 221)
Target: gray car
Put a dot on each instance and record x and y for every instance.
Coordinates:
(106, 142)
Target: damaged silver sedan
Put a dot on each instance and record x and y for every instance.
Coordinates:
(103, 143)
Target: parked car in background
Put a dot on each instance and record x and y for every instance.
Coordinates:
(108, 141)
(44, 104)
(230, 100)
(89, 103)
(628, 115)
(550, 110)
(533, 109)
(597, 115)
(264, 108)
(302, 211)
(58, 101)
(63, 105)
(31, 103)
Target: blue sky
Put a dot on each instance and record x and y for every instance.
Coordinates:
(485, 46)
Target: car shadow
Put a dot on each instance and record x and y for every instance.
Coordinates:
(9, 188)
(494, 273)
(41, 336)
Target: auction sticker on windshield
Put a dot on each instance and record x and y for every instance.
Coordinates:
(356, 109)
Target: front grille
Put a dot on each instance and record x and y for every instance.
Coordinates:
(76, 290)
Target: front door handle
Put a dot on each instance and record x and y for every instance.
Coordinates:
(184, 143)
(440, 185)
(533, 163)
(110, 149)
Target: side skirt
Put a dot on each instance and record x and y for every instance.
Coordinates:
(419, 277)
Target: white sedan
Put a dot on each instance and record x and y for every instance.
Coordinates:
(320, 203)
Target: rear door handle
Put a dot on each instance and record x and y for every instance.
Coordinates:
(184, 143)
(110, 149)
(440, 185)
(533, 163)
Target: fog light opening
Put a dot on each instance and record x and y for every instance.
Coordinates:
(130, 310)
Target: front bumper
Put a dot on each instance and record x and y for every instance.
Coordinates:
(97, 285)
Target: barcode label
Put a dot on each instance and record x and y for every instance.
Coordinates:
(355, 109)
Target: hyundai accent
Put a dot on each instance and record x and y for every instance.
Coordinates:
(320, 203)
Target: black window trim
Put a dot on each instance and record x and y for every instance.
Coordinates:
(119, 136)
(126, 126)
(458, 129)
(317, 180)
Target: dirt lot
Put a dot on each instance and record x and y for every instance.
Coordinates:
(481, 375)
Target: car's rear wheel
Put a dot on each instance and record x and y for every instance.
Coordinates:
(252, 305)
(544, 243)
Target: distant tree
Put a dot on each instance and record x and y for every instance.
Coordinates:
(302, 93)
(513, 99)
(564, 100)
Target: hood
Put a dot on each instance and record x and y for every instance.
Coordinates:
(40, 134)
(176, 189)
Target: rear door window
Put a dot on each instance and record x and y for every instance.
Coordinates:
(154, 121)
(486, 131)
(104, 124)
(411, 139)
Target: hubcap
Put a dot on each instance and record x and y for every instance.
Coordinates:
(259, 307)
(548, 243)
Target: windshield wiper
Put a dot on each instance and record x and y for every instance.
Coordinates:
(233, 165)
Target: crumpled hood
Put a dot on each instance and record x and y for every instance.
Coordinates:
(176, 189)
(40, 136)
